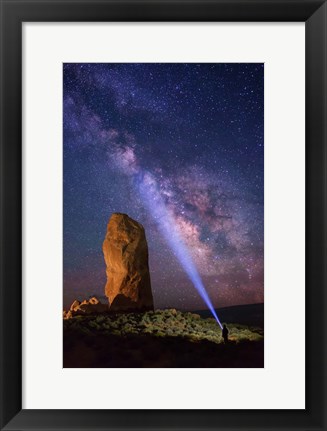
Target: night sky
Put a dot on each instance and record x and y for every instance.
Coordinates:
(195, 132)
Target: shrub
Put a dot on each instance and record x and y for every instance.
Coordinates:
(100, 319)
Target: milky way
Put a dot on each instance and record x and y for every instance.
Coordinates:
(194, 131)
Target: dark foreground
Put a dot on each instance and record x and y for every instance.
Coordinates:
(164, 338)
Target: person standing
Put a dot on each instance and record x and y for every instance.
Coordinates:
(225, 333)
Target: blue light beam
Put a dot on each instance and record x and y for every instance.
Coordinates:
(156, 206)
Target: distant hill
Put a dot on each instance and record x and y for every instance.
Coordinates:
(250, 314)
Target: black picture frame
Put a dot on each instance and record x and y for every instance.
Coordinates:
(13, 14)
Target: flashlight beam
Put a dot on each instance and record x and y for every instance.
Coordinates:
(158, 210)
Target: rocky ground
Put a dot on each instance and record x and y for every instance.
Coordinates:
(163, 338)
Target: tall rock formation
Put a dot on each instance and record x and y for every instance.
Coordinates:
(125, 252)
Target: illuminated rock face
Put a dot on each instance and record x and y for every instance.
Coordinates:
(88, 306)
(125, 252)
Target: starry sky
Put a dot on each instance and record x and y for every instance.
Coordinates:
(196, 132)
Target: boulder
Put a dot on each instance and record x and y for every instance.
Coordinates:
(125, 251)
(85, 302)
(68, 314)
(75, 305)
(94, 300)
(91, 306)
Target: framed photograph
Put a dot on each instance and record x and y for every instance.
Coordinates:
(163, 215)
(182, 254)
